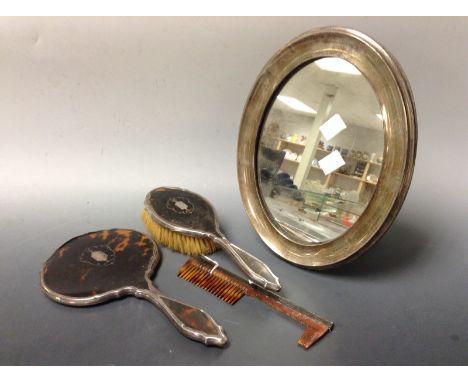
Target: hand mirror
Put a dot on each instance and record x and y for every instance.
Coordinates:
(326, 147)
(105, 265)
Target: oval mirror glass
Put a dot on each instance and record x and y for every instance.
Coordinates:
(321, 150)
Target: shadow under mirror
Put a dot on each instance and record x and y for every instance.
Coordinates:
(402, 248)
(321, 150)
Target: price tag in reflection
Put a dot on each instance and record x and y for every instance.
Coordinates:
(331, 162)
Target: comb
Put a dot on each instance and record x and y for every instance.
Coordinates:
(231, 288)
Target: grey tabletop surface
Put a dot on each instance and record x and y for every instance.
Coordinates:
(95, 113)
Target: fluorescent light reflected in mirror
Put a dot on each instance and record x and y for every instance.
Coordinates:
(332, 127)
(295, 104)
(335, 64)
(331, 162)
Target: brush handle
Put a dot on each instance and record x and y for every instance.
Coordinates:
(256, 270)
(192, 322)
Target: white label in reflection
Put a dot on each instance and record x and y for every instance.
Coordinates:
(331, 162)
(332, 127)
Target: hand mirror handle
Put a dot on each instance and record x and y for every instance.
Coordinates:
(192, 322)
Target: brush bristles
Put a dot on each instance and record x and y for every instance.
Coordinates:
(221, 287)
(178, 242)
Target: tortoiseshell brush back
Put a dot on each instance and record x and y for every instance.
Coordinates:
(231, 288)
(186, 222)
(105, 265)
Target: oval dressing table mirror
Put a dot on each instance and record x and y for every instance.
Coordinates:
(326, 147)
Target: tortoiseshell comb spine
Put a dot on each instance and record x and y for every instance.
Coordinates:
(231, 288)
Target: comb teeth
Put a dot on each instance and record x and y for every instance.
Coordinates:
(214, 283)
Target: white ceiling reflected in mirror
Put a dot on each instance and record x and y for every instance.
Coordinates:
(320, 151)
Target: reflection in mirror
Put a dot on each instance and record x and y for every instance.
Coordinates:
(321, 150)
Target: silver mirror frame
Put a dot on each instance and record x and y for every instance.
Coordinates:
(400, 134)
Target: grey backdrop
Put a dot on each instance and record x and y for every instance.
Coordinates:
(96, 112)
